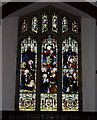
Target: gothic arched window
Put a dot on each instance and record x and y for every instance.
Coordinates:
(49, 62)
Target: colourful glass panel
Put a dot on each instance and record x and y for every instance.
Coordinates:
(34, 24)
(24, 27)
(27, 101)
(49, 69)
(69, 67)
(70, 102)
(44, 22)
(75, 27)
(28, 67)
(64, 25)
(54, 23)
(48, 102)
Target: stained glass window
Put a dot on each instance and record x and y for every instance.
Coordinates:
(44, 22)
(70, 102)
(34, 27)
(54, 23)
(64, 25)
(24, 26)
(48, 32)
(70, 75)
(75, 27)
(49, 75)
(28, 65)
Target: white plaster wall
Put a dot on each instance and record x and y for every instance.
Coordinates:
(0, 62)
(96, 69)
(0, 70)
(9, 42)
(88, 63)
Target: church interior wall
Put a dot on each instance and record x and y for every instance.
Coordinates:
(9, 56)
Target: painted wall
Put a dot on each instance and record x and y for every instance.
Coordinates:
(0, 62)
(88, 63)
(9, 62)
(9, 43)
(0, 70)
(96, 69)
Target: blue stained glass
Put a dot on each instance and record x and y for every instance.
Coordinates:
(49, 66)
(49, 75)
(27, 99)
(70, 75)
(70, 66)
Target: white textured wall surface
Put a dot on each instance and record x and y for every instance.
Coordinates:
(96, 69)
(0, 62)
(0, 70)
(9, 40)
(88, 63)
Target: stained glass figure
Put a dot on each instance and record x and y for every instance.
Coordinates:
(75, 27)
(28, 71)
(70, 102)
(64, 25)
(48, 102)
(44, 22)
(34, 24)
(54, 23)
(49, 67)
(69, 66)
(24, 27)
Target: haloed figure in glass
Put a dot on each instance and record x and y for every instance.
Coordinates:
(49, 70)
(70, 73)
(49, 75)
(27, 95)
(28, 75)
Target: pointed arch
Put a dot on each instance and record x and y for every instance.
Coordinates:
(49, 75)
(28, 66)
(70, 80)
